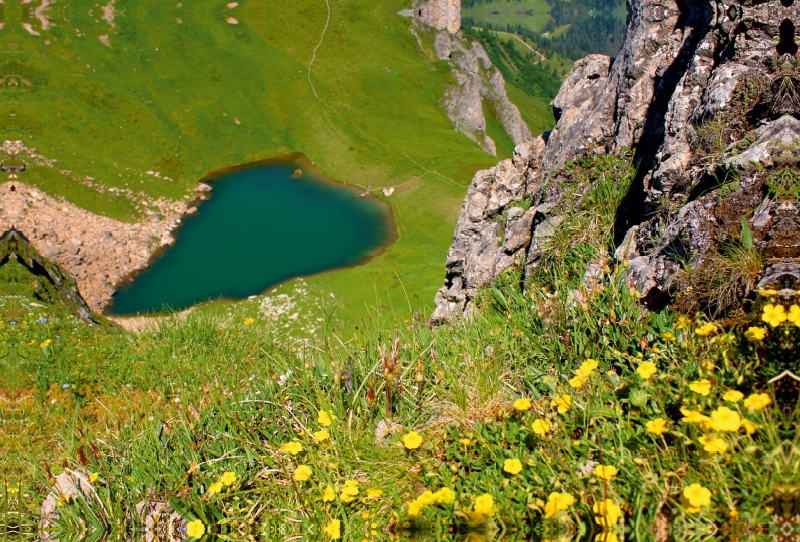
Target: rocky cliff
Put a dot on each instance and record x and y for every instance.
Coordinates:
(477, 80)
(703, 101)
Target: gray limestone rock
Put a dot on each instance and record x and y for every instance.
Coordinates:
(477, 80)
(440, 14)
(683, 68)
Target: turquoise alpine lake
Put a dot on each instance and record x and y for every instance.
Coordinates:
(264, 224)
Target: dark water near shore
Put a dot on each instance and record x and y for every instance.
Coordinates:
(260, 228)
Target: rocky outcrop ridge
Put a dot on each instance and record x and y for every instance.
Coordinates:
(440, 14)
(477, 80)
(97, 251)
(706, 97)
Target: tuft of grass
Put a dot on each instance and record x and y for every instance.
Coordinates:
(722, 279)
(588, 187)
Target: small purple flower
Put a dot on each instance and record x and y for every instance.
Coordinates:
(64, 386)
(41, 321)
(58, 336)
(12, 323)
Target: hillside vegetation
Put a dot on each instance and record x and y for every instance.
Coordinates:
(566, 28)
(112, 92)
(566, 411)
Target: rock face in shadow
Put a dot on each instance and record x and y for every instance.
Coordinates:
(705, 97)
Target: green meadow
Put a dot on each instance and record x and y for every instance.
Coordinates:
(531, 14)
(176, 88)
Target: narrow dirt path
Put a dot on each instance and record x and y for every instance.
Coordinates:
(534, 51)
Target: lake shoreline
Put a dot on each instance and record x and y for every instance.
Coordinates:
(205, 192)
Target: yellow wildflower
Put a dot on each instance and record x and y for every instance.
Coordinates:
(325, 418)
(250, 321)
(484, 505)
(606, 536)
(522, 404)
(576, 382)
(706, 329)
(541, 427)
(93, 477)
(465, 441)
(774, 315)
(46, 343)
(606, 472)
(725, 419)
(713, 444)
(321, 435)
(426, 499)
(293, 448)
(215, 488)
(733, 396)
(333, 529)
(302, 473)
(564, 403)
(667, 336)
(693, 416)
(757, 401)
(702, 387)
(329, 494)
(413, 509)
(445, 496)
(557, 502)
(195, 529)
(697, 495)
(794, 315)
(606, 512)
(412, 440)
(682, 322)
(749, 426)
(349, 492)
(647, 369)
(374, 493)
(657, 426)
(755, 334)
(587, 367)
(512, 466)
(228, 478)
(767, 292)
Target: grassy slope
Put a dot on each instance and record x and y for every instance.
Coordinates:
(165, 95)
(166, 413)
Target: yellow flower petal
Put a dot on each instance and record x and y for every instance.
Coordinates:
(512, 466)
(412, 440)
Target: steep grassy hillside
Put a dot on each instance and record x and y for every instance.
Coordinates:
(177, 89)
(567, 411)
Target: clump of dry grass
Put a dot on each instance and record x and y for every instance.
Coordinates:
(719, 281)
